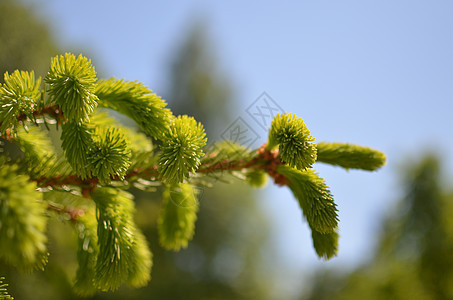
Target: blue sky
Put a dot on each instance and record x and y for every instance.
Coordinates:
(376, 73)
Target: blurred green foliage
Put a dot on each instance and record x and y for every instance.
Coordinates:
(413, 257)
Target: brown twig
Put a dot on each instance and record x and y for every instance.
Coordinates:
(87, 185)
(265, 160)
(272, 159)
(54, 111)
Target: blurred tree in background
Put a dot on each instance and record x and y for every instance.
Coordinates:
(25, 40)
(227, 257)
(413, 259)
(197, 86)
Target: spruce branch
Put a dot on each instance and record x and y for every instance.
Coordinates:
(317, 206)
(85, 184)
(137, 102)
(314, 198)
(144, 166)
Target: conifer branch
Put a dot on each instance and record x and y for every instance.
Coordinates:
(86, 183)
(262, 159)
(137, 102)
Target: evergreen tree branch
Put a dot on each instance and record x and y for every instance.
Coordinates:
(259, 160)
(137, 102)
(314, 198)
(101, 158)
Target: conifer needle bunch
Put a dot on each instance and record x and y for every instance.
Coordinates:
(101, 159)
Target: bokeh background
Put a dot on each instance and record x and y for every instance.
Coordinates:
(375, 73)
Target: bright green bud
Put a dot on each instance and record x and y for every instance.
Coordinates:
(293, 139)
(72, 83)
